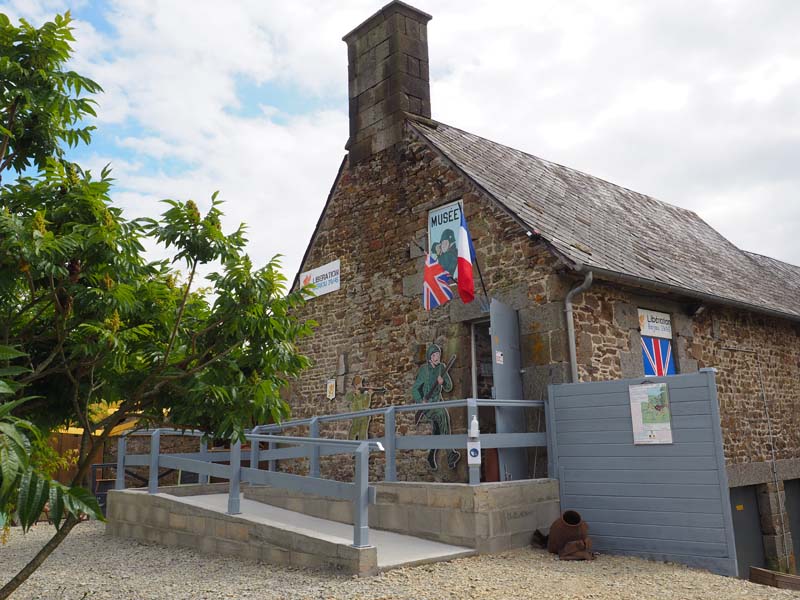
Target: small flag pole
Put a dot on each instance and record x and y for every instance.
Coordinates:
(483, 285)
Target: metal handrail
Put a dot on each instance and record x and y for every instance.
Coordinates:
(400, 408)
(167, 430)
(359, 491)
(289, 439)
(312, 447)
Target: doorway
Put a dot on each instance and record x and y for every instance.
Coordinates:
(747, 529)
(483, 387)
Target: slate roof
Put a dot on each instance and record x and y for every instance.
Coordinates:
(616, 231)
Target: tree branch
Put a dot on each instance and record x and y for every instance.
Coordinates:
(38, 558)
(180, 313)
(12, 113)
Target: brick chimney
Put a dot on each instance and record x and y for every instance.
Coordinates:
(387, 69)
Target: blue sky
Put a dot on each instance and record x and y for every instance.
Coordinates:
(693, 103)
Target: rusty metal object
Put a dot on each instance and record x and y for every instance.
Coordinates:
(569, 537)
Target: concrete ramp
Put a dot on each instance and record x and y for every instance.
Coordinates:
(265, 532)
(394, 549)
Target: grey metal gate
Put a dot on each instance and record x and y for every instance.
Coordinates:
(747, 529)
(666, 501)
(792, 488)
(506, 364)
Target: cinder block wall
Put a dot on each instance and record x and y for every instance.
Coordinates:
(490, 517)
(146, 517)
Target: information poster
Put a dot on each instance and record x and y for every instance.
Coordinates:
(650, 413)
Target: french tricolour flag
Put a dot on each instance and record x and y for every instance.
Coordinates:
(466, 256)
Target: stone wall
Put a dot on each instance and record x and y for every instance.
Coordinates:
(374, 331)
(745, 348)
(375, 328)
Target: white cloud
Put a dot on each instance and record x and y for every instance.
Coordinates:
(694, 103)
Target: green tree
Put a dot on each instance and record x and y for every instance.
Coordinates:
(100, 323)
(40, 105)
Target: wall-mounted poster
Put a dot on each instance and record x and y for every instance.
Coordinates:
(443, 224)
(650, 413)
(325, 278)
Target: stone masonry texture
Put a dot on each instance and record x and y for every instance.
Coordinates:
(376, 328)
(373, 332)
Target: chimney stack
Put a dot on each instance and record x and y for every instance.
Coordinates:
(387, 58)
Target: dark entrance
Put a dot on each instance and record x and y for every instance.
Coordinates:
(792, 488)
(482, 386)
(747, 529)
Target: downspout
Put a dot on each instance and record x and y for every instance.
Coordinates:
(573, 355)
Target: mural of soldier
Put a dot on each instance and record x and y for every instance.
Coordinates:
(447, 253)
(432, 379)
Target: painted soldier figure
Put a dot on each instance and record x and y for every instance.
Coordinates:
(432, 380)
(447, 253)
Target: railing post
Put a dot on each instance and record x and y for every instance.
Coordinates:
(122, 448)
(313, 431)
(390, 444)
(235, 478)
(474, 470)
(155, 443)
(272, 464)
(255, 450)
(203, 479)
(361, 497)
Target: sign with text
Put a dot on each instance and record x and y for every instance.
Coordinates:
(443, 224)
(324, 278)
(655, 324)
(650, 414)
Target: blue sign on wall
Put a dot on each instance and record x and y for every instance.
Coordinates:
(657, 356)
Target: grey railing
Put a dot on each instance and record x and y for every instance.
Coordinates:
(393, 442)
(314, 447)
(204, 463)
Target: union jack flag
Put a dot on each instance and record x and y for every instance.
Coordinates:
(435, 284)
(657, 356)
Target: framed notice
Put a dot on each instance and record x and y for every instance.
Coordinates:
(650, 413)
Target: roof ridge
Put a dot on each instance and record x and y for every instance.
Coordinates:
(784, 262)
(561, 166)
(626, 225)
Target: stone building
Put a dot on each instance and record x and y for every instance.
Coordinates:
(539, 230)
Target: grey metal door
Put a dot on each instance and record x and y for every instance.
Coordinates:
(747, 529)
(792, 488)
(504, 329)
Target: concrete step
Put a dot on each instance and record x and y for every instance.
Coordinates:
(393, 549)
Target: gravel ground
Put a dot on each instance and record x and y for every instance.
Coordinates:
(91, 565)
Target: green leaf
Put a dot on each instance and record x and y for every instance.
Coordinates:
(7, 353)
(56, 504)
(79, 500)
(10, 469)
(13, 371)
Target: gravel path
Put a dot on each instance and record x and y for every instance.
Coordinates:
(93, 566)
